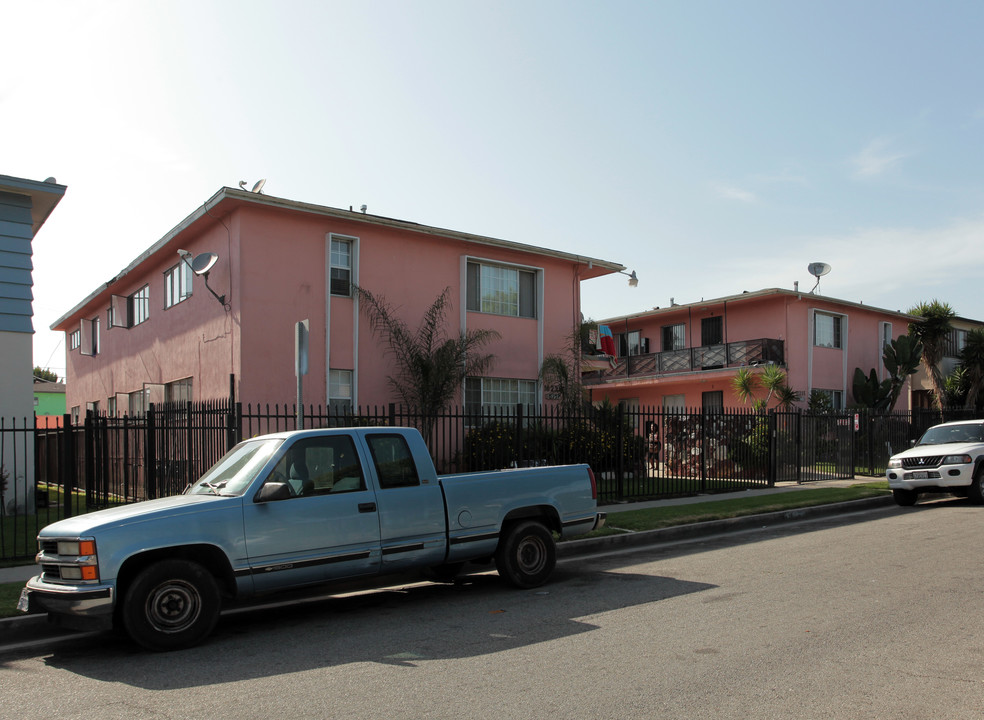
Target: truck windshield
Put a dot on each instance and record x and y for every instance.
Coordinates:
(235, 471)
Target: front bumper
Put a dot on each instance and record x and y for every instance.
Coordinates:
(945, 476)
(90, 604)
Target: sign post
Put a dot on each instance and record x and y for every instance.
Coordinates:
(301, 332)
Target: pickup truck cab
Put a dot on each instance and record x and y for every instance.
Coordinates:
(947, 458)
(294, 509)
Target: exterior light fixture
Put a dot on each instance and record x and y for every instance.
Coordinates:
(633, 278)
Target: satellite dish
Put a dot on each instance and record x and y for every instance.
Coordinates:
(242, 184)
(203, 263)
(259, 185)
(818, 270)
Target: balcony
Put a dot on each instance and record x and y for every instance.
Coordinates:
(705, 357)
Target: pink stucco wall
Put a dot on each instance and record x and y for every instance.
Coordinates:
(272, 268)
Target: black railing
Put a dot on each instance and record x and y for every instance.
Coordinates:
(705, 357)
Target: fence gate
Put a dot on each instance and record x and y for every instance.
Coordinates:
(808, 448)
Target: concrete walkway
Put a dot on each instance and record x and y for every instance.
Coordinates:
(23, 573)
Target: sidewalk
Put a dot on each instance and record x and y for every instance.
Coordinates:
(23, 573)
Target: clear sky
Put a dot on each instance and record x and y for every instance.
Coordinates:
(712, 147)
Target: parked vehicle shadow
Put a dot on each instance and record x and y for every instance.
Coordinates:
(477, 615)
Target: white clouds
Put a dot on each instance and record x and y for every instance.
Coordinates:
(877, 157)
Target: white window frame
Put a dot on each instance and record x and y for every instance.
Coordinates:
(340, 389)
(836, 334)
(484, 394)
(177, 284)
(340, 263)
(501, 289)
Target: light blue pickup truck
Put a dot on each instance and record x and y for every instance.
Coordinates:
(301, 508)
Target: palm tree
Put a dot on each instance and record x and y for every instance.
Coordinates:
(430, 366)
(933, 331)
(972, 361)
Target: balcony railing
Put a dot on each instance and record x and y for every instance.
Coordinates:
(705, 357)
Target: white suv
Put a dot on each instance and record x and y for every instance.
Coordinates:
(947, 458)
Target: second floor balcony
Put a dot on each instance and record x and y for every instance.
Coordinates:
(696, 359)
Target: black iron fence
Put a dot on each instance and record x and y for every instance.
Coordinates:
(636, 454)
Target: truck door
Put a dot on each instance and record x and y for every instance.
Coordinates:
(328, 525)
(412, 519)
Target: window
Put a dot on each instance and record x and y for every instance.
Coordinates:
(177, 284)
(320, 465)
(178, 391)
(836, 398)
(340, 267)
(340, 390)
(130, 310)
(674, 337)
(111, 406)
(501, 290)
(498, 394)
(89, 337)
(886, 335)
(712, 331)
(630, 343)
(827, 330)
(394, 463)
(74, 339)
(75, 414)
(713, 401)
(137, 403)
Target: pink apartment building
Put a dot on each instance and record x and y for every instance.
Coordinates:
(157, 332)
(685, 356)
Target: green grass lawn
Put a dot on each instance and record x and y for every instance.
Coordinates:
(654, 518)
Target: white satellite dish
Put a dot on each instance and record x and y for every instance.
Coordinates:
(818, 270)
(203, 263)
(259, 185)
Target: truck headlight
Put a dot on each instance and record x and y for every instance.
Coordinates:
(957, 459)
(76, 547)
(894, 463)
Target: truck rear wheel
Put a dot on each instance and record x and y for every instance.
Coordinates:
(171, 604)
(526, 554)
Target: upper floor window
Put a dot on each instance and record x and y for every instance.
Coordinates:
(177, 284)
(340, 267)
(501, 290)
(89, 337)
(674, 337)
(827, 330)
(631, 343)
(130, 310)
(74, 339)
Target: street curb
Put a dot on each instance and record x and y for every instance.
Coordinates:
(575, 548)
(17, 629)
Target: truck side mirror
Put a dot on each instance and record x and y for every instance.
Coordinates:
(272, 491)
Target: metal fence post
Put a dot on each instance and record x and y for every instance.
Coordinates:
(150, 454)
(68, 467)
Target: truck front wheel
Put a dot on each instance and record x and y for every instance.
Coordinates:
(171, 604)
(526, 555)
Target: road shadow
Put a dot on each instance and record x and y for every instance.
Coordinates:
(477, 615)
